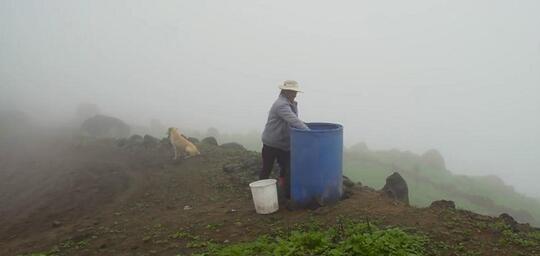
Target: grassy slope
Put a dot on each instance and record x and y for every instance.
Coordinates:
(487, 195)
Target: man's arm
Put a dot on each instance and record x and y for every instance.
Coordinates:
(288, 115)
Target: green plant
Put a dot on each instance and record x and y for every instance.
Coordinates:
(180, 235)
(346, 238)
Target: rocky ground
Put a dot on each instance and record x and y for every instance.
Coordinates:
(127, 197)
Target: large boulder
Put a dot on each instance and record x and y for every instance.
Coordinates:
(433, 159)
(150, 142)
(347, 182)
(348, 185)
(232, 145)
(101, 126)
(135, 140)
(396, 188)
(209, 141)
(509, 221)
(245, 169)
(165, 141)
(193, 140)
(121, 142)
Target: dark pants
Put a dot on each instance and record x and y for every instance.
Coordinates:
(269, 156)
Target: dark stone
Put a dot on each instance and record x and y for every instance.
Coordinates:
(443, 204)
(165, 140)
(56, 224)
(101, 126)
(121, 142)
(347, 193)
(229, 168)
(209, 141)
(150, 141)
(510, 221)
(233, 145)
(396, 188)
(135, 139)
(347, 182)
(252, 162)
(193, 140)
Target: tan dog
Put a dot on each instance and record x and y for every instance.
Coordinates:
(178, 140)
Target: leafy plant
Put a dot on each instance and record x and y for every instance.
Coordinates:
(346, 238)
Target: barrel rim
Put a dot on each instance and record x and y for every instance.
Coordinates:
(262, 183)
(339, 128)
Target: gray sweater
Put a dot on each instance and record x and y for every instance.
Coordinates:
(282, 115)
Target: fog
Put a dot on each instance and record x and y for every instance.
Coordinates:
(459, 76)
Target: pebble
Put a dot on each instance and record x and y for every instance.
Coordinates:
(56, 224)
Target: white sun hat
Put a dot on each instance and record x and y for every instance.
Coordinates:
(290, 85)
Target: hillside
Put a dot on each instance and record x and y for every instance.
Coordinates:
(61, 197)
(429, 180)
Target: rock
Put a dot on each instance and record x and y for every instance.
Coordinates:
(209, 141)
(101, 126)
(121, 142)
(233, 145)
(443, 204)
(396, 188)
(347, 193)
(135, 140)
(347, 182)
(252, 163)
(433, 159)
(150, 141)
(229, 168)
(358, 183)
(187, 207)
(193, 140)
(510, 221)
(56, 224)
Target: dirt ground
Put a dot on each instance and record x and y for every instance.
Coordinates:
(100, 199)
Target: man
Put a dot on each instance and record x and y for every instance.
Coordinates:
(276, 138)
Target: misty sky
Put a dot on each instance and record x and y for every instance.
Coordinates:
(459, 76)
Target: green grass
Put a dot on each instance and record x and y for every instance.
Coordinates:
(484, 195)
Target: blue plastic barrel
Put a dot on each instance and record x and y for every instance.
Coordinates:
(316, 164)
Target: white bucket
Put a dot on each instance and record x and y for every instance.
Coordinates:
(264, 196)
